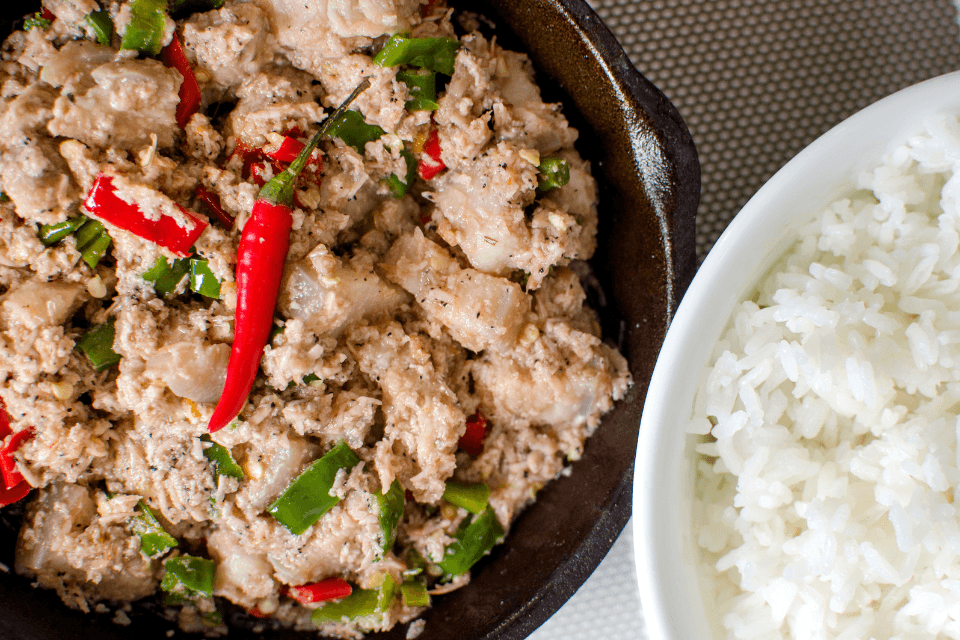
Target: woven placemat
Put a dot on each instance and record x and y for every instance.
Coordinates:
(756, 82)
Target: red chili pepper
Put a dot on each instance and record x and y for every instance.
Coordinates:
(472, 439)
(48, 15)
(103, 202)
(8, 464)
(256, 613)
(190, 96)
(326, 589)
(287, 151)
(430, 163)
(213, 204)
(260, 259)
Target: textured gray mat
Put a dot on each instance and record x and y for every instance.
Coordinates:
(756, 81)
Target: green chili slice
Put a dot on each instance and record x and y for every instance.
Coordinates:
(202, 280)
(554, 173)
(391, 512)
(473, 541)
(97, 344)
(220, 459)
(422, 84)
(102, 26)
(154, 540)
(436, 54)
(308, 496)
(354, 131)
(92, 241)
(36, 21)
(414, 594)
(148, 21)
(471, 496)
(400, 187)
(51, 234)
(165, 276)
(360, 603)
(188, 576)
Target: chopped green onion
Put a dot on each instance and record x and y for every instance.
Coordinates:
(397, 186)
(354, 131)
(473, 541)
(164, 276)
(51, 234)
(92, 241)
(4, 197)
(308, 497)
(148, 21)
(360, 603)
(36, 21)
(414, 594)
(310, 377)
(154, 540)
(422, 84)
(472, 497)
(97, 343)
(102, 26)
(436, 54)
(188, 576)
(220, 459)
(202, 280)
(555, 172)
(391, 506)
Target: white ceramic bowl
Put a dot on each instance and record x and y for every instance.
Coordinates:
(665, 548)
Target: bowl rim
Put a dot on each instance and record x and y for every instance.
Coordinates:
(759, 234)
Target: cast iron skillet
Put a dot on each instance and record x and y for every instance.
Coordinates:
(649, 190)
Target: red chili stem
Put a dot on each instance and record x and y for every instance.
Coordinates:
(326, 589)
(174, 57)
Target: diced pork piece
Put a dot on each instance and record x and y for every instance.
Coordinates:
(115, 104)
(276, 457)
(65, 541)
(274, 103)
(230, 43)
(480, 311)
(71, 11)
(244, 576)
(329, 294)
(36, 303)
(424, 419)
(191, 370)
(564, 378)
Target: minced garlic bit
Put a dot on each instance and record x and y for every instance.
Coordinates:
(529, 335)
(228, 293)
(96, 288)
(62, 390)
(253, 468)
(557, 221)
(531, 155)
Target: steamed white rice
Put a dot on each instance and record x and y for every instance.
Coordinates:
(828, 422)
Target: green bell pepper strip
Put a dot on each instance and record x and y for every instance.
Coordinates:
(391, 506)
(50, 234)
(165, 276)
(102, 26)
(422, 84)
(472, 497)
(308, 496)
(202, 280)
(359, 604)
(400, 187)
(97, 344)
(354, 131)
(154, 540)
(220, 459)
(436, 54)
(188, 576)
(473, 541)
(554, 173)
(148, 21)
(37, 21)
(414, 594)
